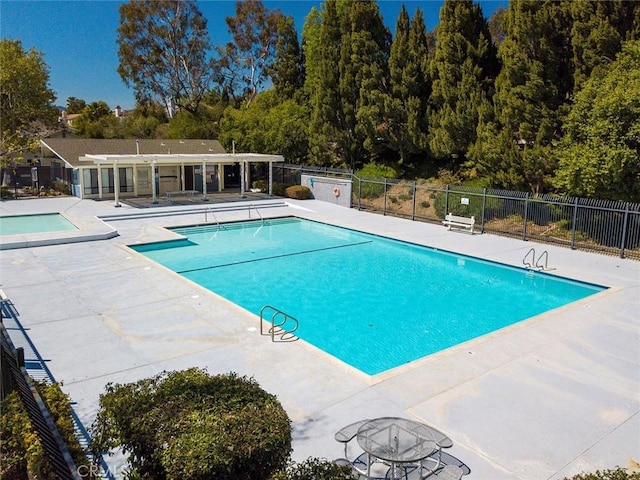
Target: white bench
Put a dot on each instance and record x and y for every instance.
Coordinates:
(189, 194)
(451, 220)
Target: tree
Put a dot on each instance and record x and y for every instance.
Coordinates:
(163, 49)
(325, 101)
(268, 125)
(287, 71)
(351, 70)
(533, 89)
(75, 105)
(600, 153)
(463, 71)
(26, 101)
(245, 62)
(191, 425)
(599, 28)
(311, 49)
(404, 102)
(97, 121)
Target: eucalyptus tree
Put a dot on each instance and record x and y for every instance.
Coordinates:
(463, 71)
(26, 100)
(163, 52)
(244, 64)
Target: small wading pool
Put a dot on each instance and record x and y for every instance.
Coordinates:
(38, 223)
(373, 302)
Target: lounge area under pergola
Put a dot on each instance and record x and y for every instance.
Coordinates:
(149, 168)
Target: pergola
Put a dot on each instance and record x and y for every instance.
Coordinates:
(219, 159)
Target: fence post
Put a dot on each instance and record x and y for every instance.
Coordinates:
(526, 212)
(384, 204)
(573, 224)
(413, 211)
(359, 193)
(624, 230)
(484, 202)
(446, 200)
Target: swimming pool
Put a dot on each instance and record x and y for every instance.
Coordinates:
(373, 302)
(37, 223)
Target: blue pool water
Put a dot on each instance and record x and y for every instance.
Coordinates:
(373, 302)
(23, 224)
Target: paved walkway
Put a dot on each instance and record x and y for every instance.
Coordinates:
(549, 397)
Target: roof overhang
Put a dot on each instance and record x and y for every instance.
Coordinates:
(195, 159)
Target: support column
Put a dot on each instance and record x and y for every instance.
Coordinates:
(135, 179)
(270, 178)
(204, 180)
(242, 175)
(116, 183)
(99, 182)
(154, 200)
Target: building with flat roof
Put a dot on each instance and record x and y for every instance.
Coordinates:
(114, 168)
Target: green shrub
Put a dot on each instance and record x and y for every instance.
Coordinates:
(315, 469)
(299, 192)
(21, 452)
(377, 173)
(617, 474)
(191, 425)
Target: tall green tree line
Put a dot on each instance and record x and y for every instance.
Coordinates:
(491, 100)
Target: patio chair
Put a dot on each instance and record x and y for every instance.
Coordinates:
(380, 472)
(449, 472)
(348, 433)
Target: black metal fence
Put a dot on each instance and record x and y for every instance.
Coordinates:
(15, 378)
(605, 226)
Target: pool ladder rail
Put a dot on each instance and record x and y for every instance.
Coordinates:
(540, 263)
(282, 325)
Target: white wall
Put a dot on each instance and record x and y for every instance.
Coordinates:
(329, 189)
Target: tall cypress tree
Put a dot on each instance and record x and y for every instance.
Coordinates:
(326, 108)
(463, 70)
(351, 67)
(533, 90)
(403, 102)
(287, 72)
(363, 67)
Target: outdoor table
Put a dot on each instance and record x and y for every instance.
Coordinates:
(398, 441)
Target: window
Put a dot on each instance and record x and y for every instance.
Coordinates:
(125, 178)
(90, 181)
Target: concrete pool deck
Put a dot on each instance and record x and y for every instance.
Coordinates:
(550, 397)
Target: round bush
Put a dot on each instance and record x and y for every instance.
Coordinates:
(299, 192)
(191, 425)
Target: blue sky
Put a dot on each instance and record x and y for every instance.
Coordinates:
(78, 38)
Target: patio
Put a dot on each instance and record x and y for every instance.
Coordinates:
(551, 397)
